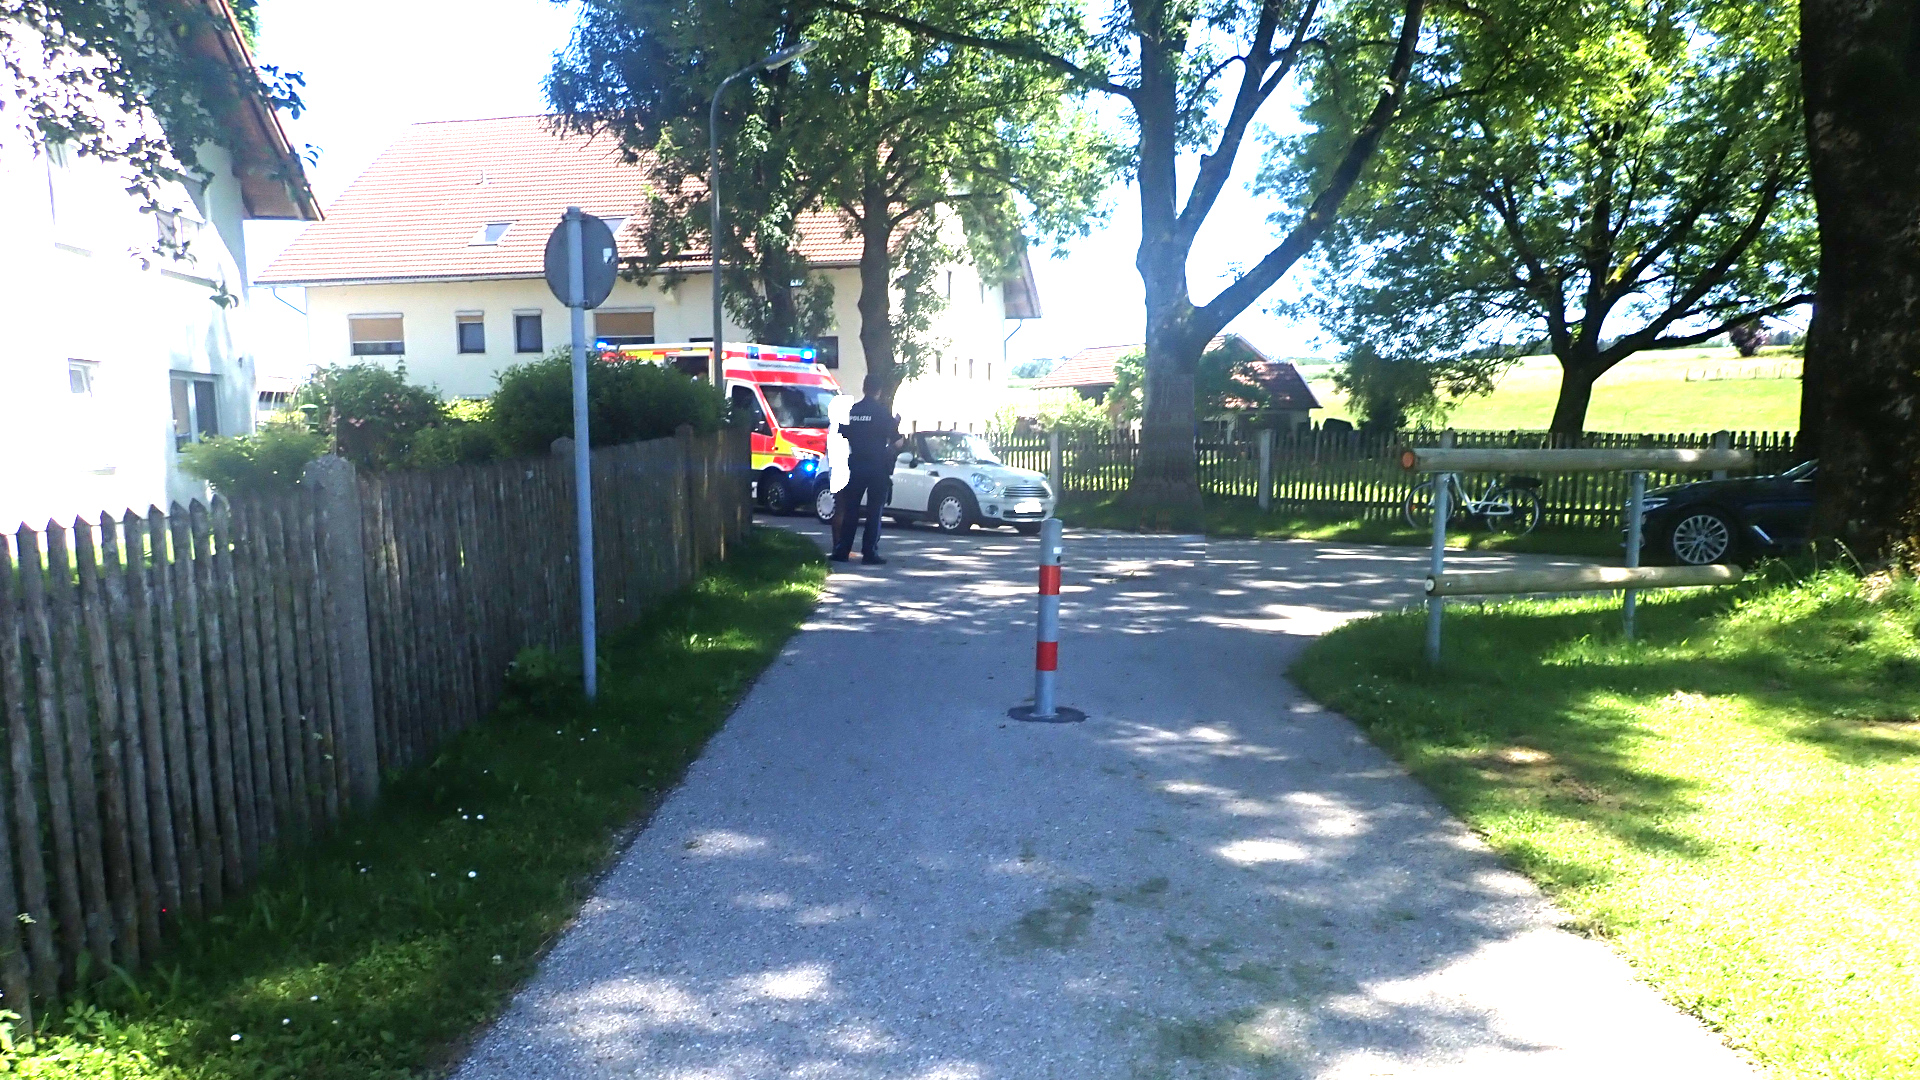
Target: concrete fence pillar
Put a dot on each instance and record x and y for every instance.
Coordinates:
(1266, 468)
(1722, 440)
(336, 489)
(1055, 469)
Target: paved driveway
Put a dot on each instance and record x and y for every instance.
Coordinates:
(872, 873)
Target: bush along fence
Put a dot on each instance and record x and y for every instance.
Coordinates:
(1358, 474)
(184, 694)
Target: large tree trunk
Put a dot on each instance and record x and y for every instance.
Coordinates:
(876, 297)
(1165, 485)
(1860, 64)
(1577, 376)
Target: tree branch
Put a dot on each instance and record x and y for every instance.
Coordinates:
(1018, 50)
(1248, 287)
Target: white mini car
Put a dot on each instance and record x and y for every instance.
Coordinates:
(953, 479)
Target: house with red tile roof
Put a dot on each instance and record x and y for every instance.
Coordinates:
(130, 326)
(433, 259)
(1288, 401)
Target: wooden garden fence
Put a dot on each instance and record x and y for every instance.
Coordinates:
(184, 694)
(1358, 474)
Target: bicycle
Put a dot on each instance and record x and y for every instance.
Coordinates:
(1511, 508)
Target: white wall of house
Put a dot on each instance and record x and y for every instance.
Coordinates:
(969, 385)
(103, 328)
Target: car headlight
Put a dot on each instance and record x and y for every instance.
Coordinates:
(1648, 506)
(986, 485)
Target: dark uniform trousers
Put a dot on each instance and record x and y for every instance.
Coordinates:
(875, 488)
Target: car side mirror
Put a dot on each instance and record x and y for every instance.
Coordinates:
(906, 458)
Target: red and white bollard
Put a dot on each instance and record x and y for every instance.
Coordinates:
(1046, 657)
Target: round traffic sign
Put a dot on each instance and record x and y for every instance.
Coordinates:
(601, 259)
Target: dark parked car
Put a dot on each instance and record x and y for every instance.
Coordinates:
(1715, 521)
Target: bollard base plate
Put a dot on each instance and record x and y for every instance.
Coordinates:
(1061, 715)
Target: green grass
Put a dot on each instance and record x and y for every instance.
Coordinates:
(1733, 803)
(375, 953)
(1648, 393)
(1242, 517)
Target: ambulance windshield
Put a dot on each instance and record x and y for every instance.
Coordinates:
(798, 406)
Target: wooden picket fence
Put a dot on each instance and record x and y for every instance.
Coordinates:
(1340, 471)
(186, 693)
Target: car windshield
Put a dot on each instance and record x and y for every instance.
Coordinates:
(798, 406)
(957, 448)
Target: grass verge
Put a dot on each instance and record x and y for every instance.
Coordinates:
(1242, 517)
(1732, 802)
(375, 953)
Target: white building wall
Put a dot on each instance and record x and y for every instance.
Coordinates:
(83, 284)
(969, 386)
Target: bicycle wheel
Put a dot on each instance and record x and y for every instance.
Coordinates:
(1512, 511)
(1418, 509)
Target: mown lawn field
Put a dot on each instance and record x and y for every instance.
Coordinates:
(1648, 393)
(375, 954)
(1733, 803)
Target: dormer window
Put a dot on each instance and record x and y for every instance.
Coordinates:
(489, 234)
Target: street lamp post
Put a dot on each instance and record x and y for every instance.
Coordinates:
(716, 363)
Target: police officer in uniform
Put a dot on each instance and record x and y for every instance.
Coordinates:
(873, 439)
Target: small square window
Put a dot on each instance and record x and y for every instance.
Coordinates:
(80, 377)
(472, 330)
(196, 413)
(526, 333)
(489, 234)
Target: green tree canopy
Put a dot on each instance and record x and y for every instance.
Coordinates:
(1609, 176)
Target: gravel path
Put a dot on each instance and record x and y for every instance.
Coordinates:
(871, 873)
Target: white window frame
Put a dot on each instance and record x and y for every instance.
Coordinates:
(196, 424)
(86, 372)
(530, 313)
(594, 333)
(463, 319)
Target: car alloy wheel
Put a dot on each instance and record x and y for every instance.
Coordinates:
(952, 511)
(1701, 538)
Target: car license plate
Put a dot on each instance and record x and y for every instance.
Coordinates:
(1029, 506)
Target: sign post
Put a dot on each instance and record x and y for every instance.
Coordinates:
(581, 263)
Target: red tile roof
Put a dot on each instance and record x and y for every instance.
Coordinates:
(1093, 369)
(413, 214)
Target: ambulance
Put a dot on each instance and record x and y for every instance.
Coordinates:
(784, 394)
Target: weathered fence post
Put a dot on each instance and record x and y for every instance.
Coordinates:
(1722, 440)
(336, 490)
(1055, 469)
(1266, 469)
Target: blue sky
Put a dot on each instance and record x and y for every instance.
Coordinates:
(372, 68)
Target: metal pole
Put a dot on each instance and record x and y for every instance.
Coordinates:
(1055, 473)
(582, 451)
(1636, 505)
(1437, 561)
(716, 362)
(1046, 659)
(1046, 662)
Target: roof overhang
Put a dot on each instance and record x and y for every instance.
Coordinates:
(438, 279)
(273, 185)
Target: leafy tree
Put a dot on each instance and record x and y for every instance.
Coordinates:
(1747, 338)
(1862, 386)
(645, 71)
(1223, 379)
(887, 129)
(369, 413)
(1197, 77)
(72, 65)
(627, 401)
(1623, 176)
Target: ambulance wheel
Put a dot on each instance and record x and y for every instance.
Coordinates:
(774, 493)
(953, 509)
(823, 505)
